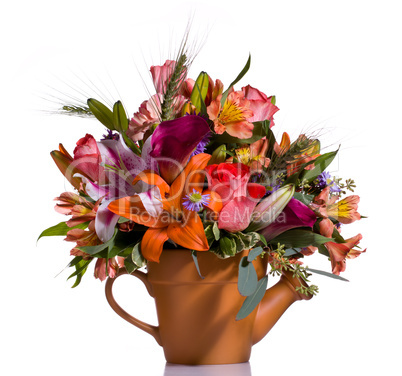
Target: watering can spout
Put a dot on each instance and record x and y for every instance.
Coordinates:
(275, 302)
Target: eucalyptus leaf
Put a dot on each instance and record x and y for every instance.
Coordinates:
(252, 301)
(327, 274)
(247, 282)
(102, 113)
(197, 266)
(255, 252)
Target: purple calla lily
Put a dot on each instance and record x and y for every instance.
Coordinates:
(295, 214)
(174, 141)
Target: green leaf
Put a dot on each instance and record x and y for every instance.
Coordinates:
(303, 198)
(199, 92)
(327, 274)
(255, 252)
(320, 163)
(247, 282)
(245, 241)
(323, 250)
(95, 249)
(252, 301)
(120, 120)
(216, 231)
(137, 257)
(195, 259)
(237, 79)
(131, 144)
(80, 269)
(129, 265)
(61, 229)
(102, 113)
(260, 130)
(298, 238)
(227, 246)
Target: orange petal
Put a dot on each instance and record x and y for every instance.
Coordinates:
(189, 234)
(133, 209)
(152, 243)
(64, 162)
(151, 178)
(192, 177)
(215, 202)
(284, 145)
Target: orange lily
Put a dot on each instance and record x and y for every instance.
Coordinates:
(174, 222)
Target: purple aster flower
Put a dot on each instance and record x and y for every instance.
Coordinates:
(195, 200)
(200, 148)
(325, 180)
(110, 136)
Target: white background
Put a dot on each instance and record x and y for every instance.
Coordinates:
(335, 68)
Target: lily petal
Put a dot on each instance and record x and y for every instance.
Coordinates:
(152, 243)
(189, 234)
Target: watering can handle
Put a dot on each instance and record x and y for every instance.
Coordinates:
(150, 329)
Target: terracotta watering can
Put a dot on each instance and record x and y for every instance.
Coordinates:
(197, 317)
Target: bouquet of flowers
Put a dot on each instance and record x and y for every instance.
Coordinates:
(198, 167)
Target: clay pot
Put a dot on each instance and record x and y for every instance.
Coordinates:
(197, 317)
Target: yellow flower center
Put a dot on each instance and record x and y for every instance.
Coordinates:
(231, 112)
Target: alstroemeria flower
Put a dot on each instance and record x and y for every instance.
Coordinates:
(260, 104)
(109, 269)
(294, 215)
(344, 211)
(339, 252)
(233, 116)
(309, 151)
(239, 197)
(78, 207)
(81, 211)
(174, 141)
(253, 155)
(174, 222)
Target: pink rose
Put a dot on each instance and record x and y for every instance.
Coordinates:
(239, 197)
(260, 104)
